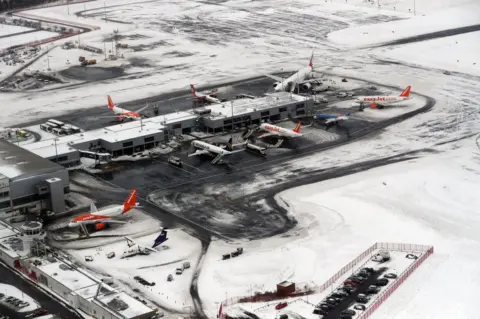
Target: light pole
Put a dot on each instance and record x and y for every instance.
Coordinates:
(414, 8)
(48, 62)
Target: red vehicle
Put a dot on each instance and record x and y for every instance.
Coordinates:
(350, 283)
(281, 305)
(38, 313)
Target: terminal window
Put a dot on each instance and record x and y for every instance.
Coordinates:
(127, 144)
(282, 109)
(266, 113)
(177, 126)
(62, 158)
(149, 139)
(4, 194)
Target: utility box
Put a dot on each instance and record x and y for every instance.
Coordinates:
(57, 195)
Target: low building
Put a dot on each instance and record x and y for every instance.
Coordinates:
(237, 113)
(29, 181)
(87, 293)
(285, 288)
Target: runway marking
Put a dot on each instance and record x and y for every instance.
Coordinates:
(175, 167)
(194, 167)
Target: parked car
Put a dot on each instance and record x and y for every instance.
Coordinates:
(361, 298)
(347, 289)
(283, 316)
(359, 307)
(390, 276)
(226, 256)
(281, 305)
(186, 265)
(332, 300)
(381, 282)
(356, 279)
(339, 294)
(179, 271)
(88, 258)
(344, 80)
(371, 290)
(342, 94)
(324, 306)
(169, 277)
(350, 283)
(348, 312)
(368, 269)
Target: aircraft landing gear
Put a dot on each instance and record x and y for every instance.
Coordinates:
(84, 230)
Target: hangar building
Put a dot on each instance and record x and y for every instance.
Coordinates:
(29, 181)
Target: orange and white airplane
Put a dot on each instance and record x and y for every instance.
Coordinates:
(109, 215)
(382, 101)
(273, 130)
(210, 97)
(123, 114)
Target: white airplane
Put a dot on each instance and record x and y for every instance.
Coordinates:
(106, 216)
(210, 98)
(331, 119)
(382, 101)
(123, 114)
(136, 249)
(204, 148)
(303, 77)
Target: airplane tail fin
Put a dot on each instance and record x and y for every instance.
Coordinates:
(348, 114)
(406, 92)
(110, 102)
(298, 127)
(229, 146)
(130, 202)
(311, 61)
(160, 239)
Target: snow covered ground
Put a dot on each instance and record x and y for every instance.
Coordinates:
(456, 53)
(7, 29)
(155, 267)
(25, 38)
(9, 290)
(430, 200)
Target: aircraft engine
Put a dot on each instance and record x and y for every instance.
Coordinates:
(306, 86)
(100, 226)
(275, 84)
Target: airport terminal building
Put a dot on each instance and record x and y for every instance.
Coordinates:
(136, 136)
(29, 181)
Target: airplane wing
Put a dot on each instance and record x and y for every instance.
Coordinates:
(199, 152)
(330, 120)
(141, 109)
(239, 144)
(148, 248)
(276, 78)
(266, 135)
(114, 221)
(93, 208)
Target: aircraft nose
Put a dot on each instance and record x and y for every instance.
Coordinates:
(72, 224)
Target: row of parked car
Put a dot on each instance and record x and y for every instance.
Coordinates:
(349, 287)
(14, 302)
(143, 281)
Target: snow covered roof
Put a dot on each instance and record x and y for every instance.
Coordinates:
(16, 161)
(9, 244)
(126, 131)
(173, 118)
(245, 106)
(125, 305)
(67, 276)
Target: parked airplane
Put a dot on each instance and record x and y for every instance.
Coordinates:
(210, 97)
(123, 114)
(204, 148)
(382, 101)
(136, 249)
(106, 216)
(273, 130)
(303, 78)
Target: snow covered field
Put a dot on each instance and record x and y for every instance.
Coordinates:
(9, 290)
(456, 53)
(6, 29)
(25, 38)
(155, 267)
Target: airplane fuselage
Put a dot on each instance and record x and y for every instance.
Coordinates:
(299, 76)
(381, 99)
(279, 131)
(125, 113)
(97, 217)
(209, 147)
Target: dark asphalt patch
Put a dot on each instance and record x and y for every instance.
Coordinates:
(91, 73)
